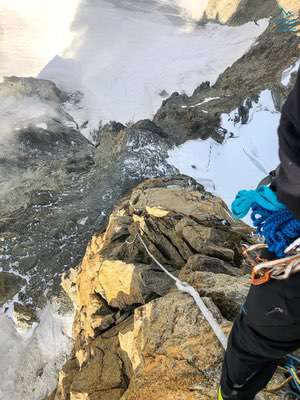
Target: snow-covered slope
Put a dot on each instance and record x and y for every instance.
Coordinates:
(249, 153)
(125, 60)
(33, 361)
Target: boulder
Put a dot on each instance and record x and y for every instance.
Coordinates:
(24, 315)
(174, 353)
(10, 284)
(227, 292)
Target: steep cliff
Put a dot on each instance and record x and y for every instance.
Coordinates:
(135, 335)
(237, 12)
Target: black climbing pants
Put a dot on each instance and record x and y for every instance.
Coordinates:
(267, 328)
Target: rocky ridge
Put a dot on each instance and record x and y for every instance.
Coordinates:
(184, 117)
(237, 12)
(133, 329)
(57, 189)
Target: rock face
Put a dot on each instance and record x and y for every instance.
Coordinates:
(24, 316)
(56, 188)
(237, 12)
(10, 284)
(182, 117)
(135, 335)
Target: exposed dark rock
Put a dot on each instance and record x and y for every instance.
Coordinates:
(24, 315)
(10, 284)
(182, 117)
(56, 188)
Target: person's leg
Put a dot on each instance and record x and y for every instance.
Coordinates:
(263, 333)
(244, 371)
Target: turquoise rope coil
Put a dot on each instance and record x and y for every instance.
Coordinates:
(272, 220)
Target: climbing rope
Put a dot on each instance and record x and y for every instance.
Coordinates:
(186, 288)
(279, 228)
(271, 218)
(264, 197)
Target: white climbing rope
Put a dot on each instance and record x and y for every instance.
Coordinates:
(186, 288)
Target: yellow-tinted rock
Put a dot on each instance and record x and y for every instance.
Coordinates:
(172, 349)
(119, 283)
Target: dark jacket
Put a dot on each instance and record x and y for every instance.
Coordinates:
(288, 179)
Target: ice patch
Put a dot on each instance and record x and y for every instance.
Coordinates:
(202, 102)
(42, 125)
(227, 168)
(287, 73)
(121, 73)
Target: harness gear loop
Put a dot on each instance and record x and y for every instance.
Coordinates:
(266, 270)
(257, 279)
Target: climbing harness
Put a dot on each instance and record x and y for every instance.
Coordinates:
(277, 225)
(271, 218)
(263, 271)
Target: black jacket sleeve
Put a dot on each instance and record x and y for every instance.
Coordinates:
(288, 179)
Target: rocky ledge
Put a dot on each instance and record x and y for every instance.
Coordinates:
(135, 335)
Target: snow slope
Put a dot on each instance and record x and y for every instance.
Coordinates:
(124, 53)
(249, 153)
(123, 58)
(32, 362)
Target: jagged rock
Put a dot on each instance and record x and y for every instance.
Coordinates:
(30, 87)
(135, 335)
(98, 372)
(182, 117)
(178, 221)
(131, 287)
(227, 292)
(172, 349)
(237, 12)
(65, 380)
(24, 315)
(202, 263)
(10, 284)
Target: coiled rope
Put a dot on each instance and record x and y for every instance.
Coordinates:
(272, 219)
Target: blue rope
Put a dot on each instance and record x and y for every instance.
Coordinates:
(263, 196)
(271, 218)
(293, 365)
